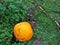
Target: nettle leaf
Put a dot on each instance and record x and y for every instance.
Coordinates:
(2, 36)
(14, 11)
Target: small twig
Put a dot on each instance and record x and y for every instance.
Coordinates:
(57, 23)
(50, 15)
(43, 10)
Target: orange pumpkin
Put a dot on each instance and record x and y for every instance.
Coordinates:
(23, 31)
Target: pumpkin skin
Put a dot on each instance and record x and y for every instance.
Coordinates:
(23, 31)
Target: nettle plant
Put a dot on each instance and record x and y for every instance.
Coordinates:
(12, 12)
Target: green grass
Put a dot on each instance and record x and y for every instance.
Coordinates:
(46, 28)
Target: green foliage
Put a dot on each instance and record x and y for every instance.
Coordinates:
(47, 30)
(13, 11)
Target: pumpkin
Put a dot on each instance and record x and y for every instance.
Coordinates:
(23, 31)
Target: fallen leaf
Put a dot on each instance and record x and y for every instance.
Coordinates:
(59, 43)
(33, 24)
(5, 38)
(37, 42)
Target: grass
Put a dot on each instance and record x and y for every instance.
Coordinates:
(46, 29)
